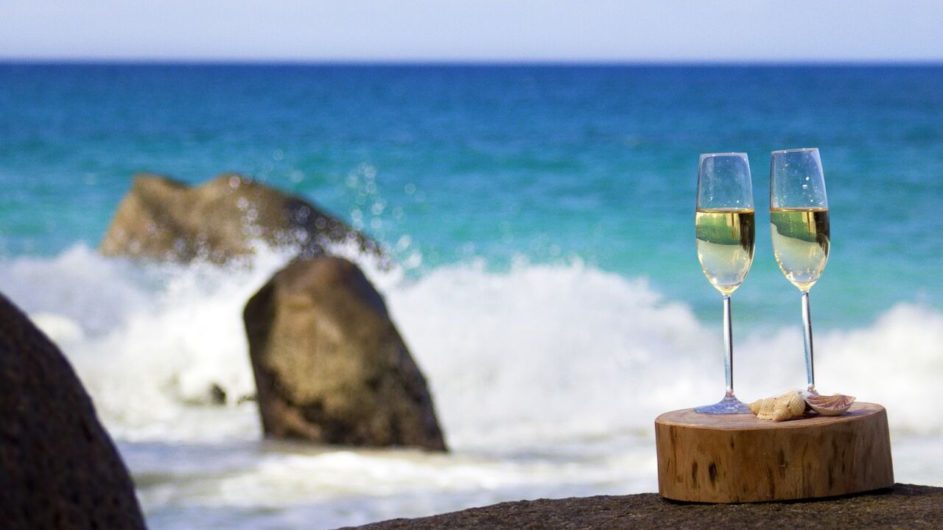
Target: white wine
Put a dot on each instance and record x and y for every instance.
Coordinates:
(800, 243)
(725, 246)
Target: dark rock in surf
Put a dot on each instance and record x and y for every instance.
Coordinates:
(164, 219)
(329, 364)
(58, 467)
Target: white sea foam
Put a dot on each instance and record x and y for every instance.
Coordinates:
(538, 351)
(546, 379)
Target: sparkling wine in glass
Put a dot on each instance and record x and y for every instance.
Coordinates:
(725, 230)
(798, 217)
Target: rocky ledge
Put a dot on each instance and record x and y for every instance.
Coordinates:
(903, 506)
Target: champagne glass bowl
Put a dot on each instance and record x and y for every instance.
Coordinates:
(724, 232)
(800, 228)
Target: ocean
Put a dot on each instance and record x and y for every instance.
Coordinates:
(546, 280)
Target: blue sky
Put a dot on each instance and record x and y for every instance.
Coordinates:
(479, 30)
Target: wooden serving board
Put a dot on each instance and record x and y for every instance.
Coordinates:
(738, 458)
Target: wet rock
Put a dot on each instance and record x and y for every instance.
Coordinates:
(329, 364)
(58, 467)
(903, 506)
(217, 395)
(164, 219)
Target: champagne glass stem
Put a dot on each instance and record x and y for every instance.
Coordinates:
(728, 347)
(807, 326)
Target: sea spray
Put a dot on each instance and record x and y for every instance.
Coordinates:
(149, 341)
(546, 352)
(532, 355)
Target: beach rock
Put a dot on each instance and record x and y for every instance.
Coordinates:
(903, 506)
(330, 366)
(163, 219)
(58, 466)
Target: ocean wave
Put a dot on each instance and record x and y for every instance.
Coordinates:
(535, 355)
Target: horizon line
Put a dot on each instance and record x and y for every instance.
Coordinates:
(510, 62)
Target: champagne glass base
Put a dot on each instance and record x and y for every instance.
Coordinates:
(728, 405)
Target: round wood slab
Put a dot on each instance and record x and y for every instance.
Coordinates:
(738, 458)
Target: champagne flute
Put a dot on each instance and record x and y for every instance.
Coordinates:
(725, 230)
(798, 217)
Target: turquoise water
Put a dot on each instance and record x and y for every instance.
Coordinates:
(546, 164)
(542, 217)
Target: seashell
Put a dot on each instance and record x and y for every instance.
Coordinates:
(780, 408)
(829, 405)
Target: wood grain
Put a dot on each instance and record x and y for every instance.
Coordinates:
(738, 458)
